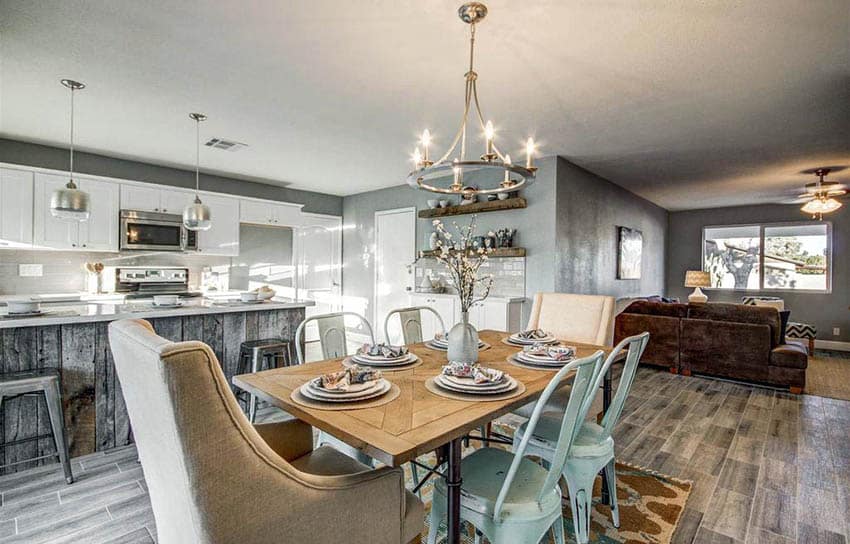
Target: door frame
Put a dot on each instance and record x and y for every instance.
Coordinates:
(379, 326)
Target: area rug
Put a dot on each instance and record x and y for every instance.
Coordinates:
(651, 506)
(828, 375)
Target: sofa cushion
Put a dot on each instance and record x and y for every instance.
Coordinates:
(740, 313)
(789, 356)
(721, 348)
(647, 307)
(663, 346)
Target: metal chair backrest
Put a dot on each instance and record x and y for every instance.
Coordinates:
(585, 369)
(635, 346)
(411, 323)
(332, 334)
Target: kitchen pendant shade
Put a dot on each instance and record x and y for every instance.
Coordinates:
(196, 216)
(69, 202)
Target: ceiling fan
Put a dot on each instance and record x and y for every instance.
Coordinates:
(821, 196)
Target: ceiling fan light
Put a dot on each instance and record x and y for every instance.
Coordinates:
(821, 206)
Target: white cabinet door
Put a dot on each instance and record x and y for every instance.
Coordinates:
(429, 322)
(446, 307)
(16, 196)
(100, 232)
(492, 316)
(223, 237)
(48, 231)
(260, 213)
(136, 197)
(287, 215)
(174, 200)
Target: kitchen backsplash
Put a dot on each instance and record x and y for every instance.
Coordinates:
(508, 274)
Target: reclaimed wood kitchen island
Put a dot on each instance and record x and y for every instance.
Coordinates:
(73, 338)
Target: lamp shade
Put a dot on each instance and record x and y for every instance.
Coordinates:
(697, 278)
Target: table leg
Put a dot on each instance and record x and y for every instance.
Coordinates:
(606, 402)
(453, 483)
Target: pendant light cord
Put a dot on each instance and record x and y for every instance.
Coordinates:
(72, 136)
(197, 156)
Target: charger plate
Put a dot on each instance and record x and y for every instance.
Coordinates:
(388, 397)
(439, 391)
(348, 363)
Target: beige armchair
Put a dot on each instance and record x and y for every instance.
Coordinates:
(588, 319)
(214, 478)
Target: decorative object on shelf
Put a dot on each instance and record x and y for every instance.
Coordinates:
(821, 195)
(433, 240)
(492, 254)
(95, 282)
(463, 261)
(69, 202)
(697, 279)
(629, 252)
(505, 237)
(478, 207)
(433, 203)
(196, 216)
(468, 196)
(445, 175)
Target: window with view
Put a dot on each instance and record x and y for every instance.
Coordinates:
(786, 257)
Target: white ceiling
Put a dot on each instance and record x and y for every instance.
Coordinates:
(689, 104)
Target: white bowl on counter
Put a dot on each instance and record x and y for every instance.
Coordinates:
(166, 300)
(249, 296)
(23, 306)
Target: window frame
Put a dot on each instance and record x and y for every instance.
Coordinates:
(761, 227)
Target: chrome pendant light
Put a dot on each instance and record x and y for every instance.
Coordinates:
(69, 202)
(196, 216)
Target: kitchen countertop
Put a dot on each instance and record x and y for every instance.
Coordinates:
(61, 313)
(491, 298)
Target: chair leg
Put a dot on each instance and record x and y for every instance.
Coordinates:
(252, 399)
(435, 518)
(415, 473)
(558, 529)
(57, 423)
(610, 474)
(581, 488)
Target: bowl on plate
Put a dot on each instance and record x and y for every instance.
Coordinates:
(23, 306)
(249, 296)
(434, 203)
(166, 300)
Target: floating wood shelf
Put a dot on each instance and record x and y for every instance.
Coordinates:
(479, 207)
(498, 252)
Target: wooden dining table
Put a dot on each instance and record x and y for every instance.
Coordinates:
(418, 421)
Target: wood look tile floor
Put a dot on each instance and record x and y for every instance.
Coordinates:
(767, 466)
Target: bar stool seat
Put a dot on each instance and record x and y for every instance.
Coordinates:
(44, 381)
(252, 355)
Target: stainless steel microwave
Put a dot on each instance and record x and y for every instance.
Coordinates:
(156, 232)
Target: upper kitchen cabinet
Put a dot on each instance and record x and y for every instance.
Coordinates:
(223, 237)
(270, 213)
(16, 194)
(154, 199)
(98, 233)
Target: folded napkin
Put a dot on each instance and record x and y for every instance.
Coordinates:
(533, 334)
(556, 353)
(340, 381)
(480, 375)
(382, 350)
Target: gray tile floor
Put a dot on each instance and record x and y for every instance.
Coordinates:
(768, 467)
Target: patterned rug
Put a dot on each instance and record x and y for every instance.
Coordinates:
(651, 505)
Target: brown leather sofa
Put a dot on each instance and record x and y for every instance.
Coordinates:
(729, 340)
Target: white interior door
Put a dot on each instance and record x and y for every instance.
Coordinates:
(395, 251)
(319, 257)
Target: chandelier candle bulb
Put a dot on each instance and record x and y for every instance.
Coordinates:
(417, 158)
(507, 181)
(529, 152)
(489, 134)
(426, 142)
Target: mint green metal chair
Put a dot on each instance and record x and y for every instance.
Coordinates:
(410, 320)
(509, 498)
(593, 450)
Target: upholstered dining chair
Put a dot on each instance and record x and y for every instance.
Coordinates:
(213, 477)
(411, 323)
(333, 340)
(588, 319)
(593, 450)
(508, 497)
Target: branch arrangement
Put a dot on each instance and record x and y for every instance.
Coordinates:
(463, 259)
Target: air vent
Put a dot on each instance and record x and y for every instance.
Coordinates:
(226, 145)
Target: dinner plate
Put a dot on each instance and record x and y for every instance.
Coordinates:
(509, 385)
(469, 383)
(539, 359)
(406, 360)
(444, 344)
(548, 363)
(514, 339)
(310, 393)
(352, 388)
(373, 358)
(360, 393)
(176, 305)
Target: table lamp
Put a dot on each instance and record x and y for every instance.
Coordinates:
(697, 279)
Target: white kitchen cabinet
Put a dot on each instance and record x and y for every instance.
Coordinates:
(154, 199)
(499, 315)
(223, 237)
(270, 213)
(99, 233)
(16, 196)
(444, 305)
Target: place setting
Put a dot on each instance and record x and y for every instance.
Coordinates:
(530, 338)
(543, 356)
(473, 382)
(440, 342)
(352, 388)
(383, 357)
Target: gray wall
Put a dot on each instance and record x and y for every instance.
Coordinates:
(589, 210)
(826, 310)
(265, 257)
(535, 227)
(28, 154)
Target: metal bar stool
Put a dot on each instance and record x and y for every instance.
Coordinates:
(44, 381)
(252, 355)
